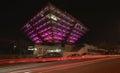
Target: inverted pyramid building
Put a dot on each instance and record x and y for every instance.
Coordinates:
(51, 25)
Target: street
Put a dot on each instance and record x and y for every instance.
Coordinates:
(24, 66)
(105, 65)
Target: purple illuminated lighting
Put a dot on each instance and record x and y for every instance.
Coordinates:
(31, 32)
(78, 32)
(69, 24)
(42, 25)
(73, 38)
(38, 42)
(75, 35)
(62, 25)
(71, 41)
(27, 29)
(35, 38)
(48, 38)
(80, 28)
(53, 26)
(46, 34)
(33, 35)
(62, 30)
(57, 37)
(44, 30)
(59, 33)
(26, 26)
(40, 20)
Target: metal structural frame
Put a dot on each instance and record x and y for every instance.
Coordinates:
(52, 25)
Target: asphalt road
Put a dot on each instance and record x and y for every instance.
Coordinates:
(106, 65)
(26, 66)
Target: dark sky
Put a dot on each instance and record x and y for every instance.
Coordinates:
(102, 18)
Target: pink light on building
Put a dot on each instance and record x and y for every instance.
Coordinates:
(54, 26)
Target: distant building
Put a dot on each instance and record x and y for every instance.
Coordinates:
(91, 50)
(87, 50)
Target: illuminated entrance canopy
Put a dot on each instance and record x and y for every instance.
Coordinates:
(52, 25)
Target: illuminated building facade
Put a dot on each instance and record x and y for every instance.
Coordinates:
(51, 25)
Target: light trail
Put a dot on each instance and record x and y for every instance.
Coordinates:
(29, 60)
(60, 67)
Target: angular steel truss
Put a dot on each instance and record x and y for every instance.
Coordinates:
(52, 25)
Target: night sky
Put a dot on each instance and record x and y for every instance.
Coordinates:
(102, 18)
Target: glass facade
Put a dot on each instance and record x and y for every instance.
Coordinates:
(54, 26)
